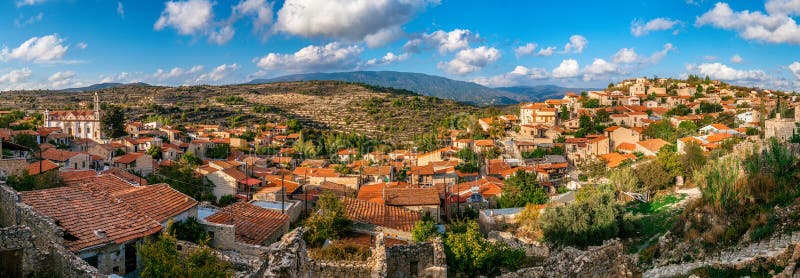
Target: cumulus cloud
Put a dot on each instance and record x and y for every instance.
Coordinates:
(520, 74)
(568, 68)
(61, 79)
(794, 68)
(547, 51)
(640, 28)
(736, 59)
(526, 49)
(16, 76)
(658, 55)
(331, 56)
(383, 36)
(217, 74)
(22, 21)
(723, 72)
(443, 41)
(260, 10)
(187, 17)
(625, 56)
(350, 20)
(82, 45)
(122, 77)
(389, 58)
(470, 60)
(576, 44)
(44, 49)
(222, 35)
(598, 68)
(774, 27)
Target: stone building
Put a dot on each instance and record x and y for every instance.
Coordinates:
(780, 128)
(81, 124)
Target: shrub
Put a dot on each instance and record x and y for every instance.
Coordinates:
(341, 252)
(329, 223)
(589, 220)
(520, 189)
(188, 230)
(468, 252)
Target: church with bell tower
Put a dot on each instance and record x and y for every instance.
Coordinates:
(80, 123)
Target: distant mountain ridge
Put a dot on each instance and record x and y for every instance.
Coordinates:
(542, 92)
(101, 86)
(420, 83)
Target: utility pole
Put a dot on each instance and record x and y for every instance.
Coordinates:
(283, 193)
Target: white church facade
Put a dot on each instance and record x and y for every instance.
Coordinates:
(80, 124)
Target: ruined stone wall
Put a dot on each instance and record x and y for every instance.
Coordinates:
(608, 260)
(12, 166)
(288, 258)
(225, 238)
(33, 230)
(243, 264)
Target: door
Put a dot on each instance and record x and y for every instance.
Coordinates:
(130, 257)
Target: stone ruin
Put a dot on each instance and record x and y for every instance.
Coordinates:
(607, 260)
(289, 258)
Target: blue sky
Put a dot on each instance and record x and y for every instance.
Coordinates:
(66, 43)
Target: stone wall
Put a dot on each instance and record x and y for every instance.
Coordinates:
(608, 260)
(532, 248)
(224, 238)
(243, 264)
(12, 166)
(288, 258)
(36, 234)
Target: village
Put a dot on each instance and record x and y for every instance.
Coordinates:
(278, 199)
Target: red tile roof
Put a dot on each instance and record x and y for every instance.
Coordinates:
(128, 158)
(380, 215)
(58, 155)
(158, 201)
(252, 224)
(92, 217)
(77, 175)
(47, 165)
(411, 196)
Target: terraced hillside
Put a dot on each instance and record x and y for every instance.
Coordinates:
(393, 115)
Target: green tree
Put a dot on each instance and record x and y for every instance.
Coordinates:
(424, 229)
(564, 113)
(661, 129)
(26, 182)
(693, 158)
(112, 122)
(182, 177)
(468, 252)
(331, 223)
(226, 200)
(155, 152)
(587, 221)
(220, 151)
(653, 176)
(189, 230)
(160, 258)
(520, 189)
(26, 140)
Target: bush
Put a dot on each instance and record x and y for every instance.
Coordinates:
(341, 252)
(329, 224)
(226, 200)
(588, 221)
(520, 189)
(189, 230)
(468, 252)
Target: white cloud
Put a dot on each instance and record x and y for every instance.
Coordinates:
(640, 28)
(520, 74)
(328, 57)
(576, 44)
(568, 68)
(775, 27)
(120, 9)
(122, 77)
(82, 45)
(176, 72)
(61, 79)
(736, 59)
(261, 10)
(349, 20)
(656, 57)
(526, 49)
(723, 72)
(37, 49)
(788, 7)
(794, 68)
(444, 41)
(625, 56)
(383, 36)
(389, 58)
(470, 60)
(598, 68)
(187, 17)
(16, 76)
(547, 51)
(222, 36)
(21, 3)
(217, 74)
(21, 21)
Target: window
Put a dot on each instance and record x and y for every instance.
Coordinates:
(92, 260)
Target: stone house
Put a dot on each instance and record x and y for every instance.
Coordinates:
(68, 159)
(245, 227)
(371, 218)
(137, 162)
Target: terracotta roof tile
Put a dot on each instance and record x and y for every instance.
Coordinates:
(128, 158)
(380, 215)
(158, 201)
(411, 196)
(46, 165)
(252, 224)
(58, 155)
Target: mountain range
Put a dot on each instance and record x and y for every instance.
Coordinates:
(436, 86)
(423, 84)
